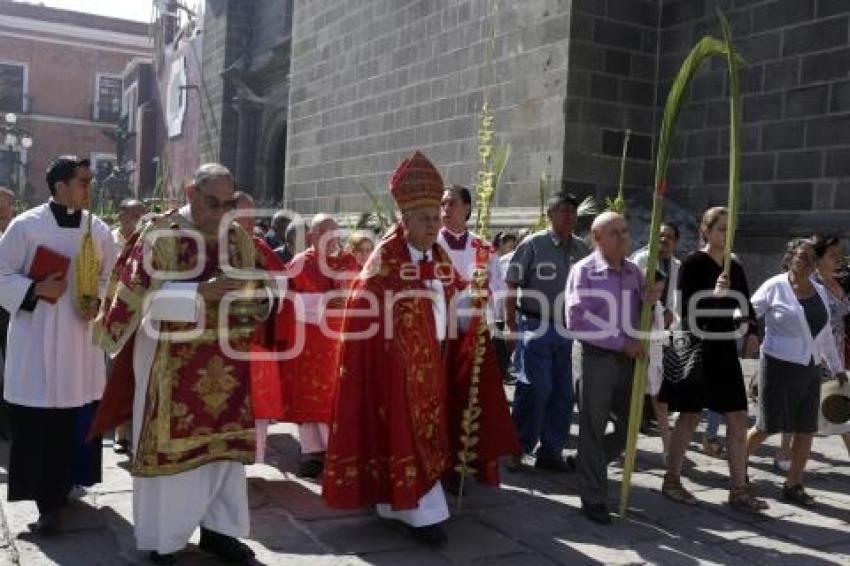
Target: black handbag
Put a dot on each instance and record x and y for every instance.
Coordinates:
(683, 357)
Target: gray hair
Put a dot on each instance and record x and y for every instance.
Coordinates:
(242, 196)
(603, 220)
(209, 172)
(320, 219)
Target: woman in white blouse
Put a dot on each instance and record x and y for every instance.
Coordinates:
(798, 336)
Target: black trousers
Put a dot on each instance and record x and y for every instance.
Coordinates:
(41, 458)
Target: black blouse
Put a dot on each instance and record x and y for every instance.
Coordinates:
(699, 272)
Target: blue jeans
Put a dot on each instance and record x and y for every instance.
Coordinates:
(543, 407)
(713, 424)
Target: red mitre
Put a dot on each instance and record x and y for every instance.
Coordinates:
(416, 183)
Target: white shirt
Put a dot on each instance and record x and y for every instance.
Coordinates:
(118, 238)
(641, 258)
(439, 297)
(464, 262)
(51, 360)
(787, 333)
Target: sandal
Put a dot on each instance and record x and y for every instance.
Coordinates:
(672, 488)
(797, 495)
(714, 448)
(740, 499)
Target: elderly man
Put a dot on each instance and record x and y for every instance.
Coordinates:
(389, 443)
(130, 211)
(193, 425)
(603, 299)
(316, 275)
(543, 402)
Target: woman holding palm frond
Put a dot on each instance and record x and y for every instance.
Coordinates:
(719, 385)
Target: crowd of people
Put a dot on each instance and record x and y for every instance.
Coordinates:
(389, 351)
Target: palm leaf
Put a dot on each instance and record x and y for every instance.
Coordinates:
(588, 207)
(379, 212)
(734, 143)
(618, 204)
(705, 48)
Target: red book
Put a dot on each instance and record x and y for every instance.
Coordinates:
(47, 262)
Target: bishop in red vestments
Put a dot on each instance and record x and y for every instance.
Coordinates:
(389, 444)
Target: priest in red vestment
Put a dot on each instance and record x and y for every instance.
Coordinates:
(318, 279)
(389, 444)
(193, 423)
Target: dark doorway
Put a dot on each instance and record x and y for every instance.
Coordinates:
(277, 167)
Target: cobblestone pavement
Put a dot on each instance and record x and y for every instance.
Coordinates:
(534, 519)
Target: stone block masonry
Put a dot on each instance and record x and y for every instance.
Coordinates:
(371, 80)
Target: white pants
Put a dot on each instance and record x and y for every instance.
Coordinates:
(261, 427)
(168, 509)
(432, 509)
(313, 437)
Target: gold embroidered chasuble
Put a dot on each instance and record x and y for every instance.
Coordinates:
(198, 402)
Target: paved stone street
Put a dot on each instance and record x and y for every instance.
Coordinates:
(534, 519)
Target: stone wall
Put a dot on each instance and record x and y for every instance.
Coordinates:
(228, 29)
(611, 88)
(246, 91)
(796, 108)
(371, 80)
(796, 116)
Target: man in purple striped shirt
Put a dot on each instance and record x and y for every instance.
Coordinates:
(603, 299)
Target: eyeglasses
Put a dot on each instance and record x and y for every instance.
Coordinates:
(214, 204)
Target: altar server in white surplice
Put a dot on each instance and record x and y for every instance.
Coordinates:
(54, 375)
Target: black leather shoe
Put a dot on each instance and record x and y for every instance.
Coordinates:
(225, 547)
(432, 535)
(310, 469)
(596, 512)
(48, 524)
(121, 446)
(566, 466)
(451, 484)
(162, 559)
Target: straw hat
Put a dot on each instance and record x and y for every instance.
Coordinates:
(835, 402)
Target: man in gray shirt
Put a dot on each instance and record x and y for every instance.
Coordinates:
(543, 400)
